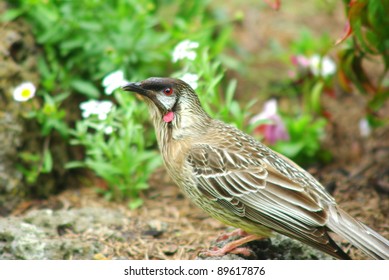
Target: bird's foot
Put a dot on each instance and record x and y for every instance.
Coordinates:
(232, 247)
(237, 232)
(219, 252)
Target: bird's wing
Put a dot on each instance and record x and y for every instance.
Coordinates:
(258, 192)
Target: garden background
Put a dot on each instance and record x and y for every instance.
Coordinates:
(80, 172)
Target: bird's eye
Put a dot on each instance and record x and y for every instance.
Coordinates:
(168, 91)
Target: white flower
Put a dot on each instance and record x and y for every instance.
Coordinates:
(113, 80)
(88, 108)
(191, 79)
(108, 129)
(322, 66)
(24, 92)
(185, 49)
(364, 127)
(94, 107)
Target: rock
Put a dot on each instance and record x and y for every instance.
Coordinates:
(18, 63)
(36, 235)
(21, 139)
(170, 249)
(21, 240)
(11, 187)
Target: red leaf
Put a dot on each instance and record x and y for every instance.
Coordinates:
(327, 115)
(352, 3)
(347, 32)
(275, 5)
(260, 129)
(354, 13)
(329, 91)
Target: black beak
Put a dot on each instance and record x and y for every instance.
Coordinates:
(135, 87)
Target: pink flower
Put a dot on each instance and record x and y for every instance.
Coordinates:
(300, 61)
(273, 130)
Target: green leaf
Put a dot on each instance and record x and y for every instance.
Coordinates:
(103, 168)
(230, 92)
(47, 162)
(141, 186)
(378, 100)
(90, 26)
(86, 88)
(69, 45)
(29, 157)
(52, 35)
(61, 97)
(135, 203)
(315, 95)
(11, 15)
(74, 164)
(289, 149)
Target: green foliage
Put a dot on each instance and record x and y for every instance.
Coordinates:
(119, 155)
(51, 117)
(368, 28)
(304, 144)
(311, 79)
(84, 41)
(308, 44)
(31, 165)
(311, 76)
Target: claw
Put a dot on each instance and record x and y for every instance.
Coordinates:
(232, 247)
(236, 232)
(242, 251)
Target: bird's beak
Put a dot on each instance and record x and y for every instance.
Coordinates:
(136, 87)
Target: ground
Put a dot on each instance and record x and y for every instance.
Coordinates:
(168, 226)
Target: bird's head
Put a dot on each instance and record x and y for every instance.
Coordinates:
(172, 102)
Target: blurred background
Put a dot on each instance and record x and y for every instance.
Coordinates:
(309, 79)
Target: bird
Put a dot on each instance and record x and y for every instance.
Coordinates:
(243, 183)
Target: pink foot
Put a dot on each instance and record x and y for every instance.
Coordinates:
(236, 232)
(232, 247)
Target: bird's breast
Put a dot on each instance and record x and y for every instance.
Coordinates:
(174, 154)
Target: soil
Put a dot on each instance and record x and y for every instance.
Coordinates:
(168, 226)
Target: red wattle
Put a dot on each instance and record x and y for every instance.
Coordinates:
(168, 117)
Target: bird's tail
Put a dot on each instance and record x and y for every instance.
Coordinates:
(358, 234)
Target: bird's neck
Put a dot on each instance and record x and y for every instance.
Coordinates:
(190, 124)
(176, 138)
(185, 125)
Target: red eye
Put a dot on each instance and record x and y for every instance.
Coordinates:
(168, 91)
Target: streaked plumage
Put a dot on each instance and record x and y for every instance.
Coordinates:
(240, 181)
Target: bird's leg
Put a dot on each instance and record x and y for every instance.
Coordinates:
(236, 232)
(232, 247)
